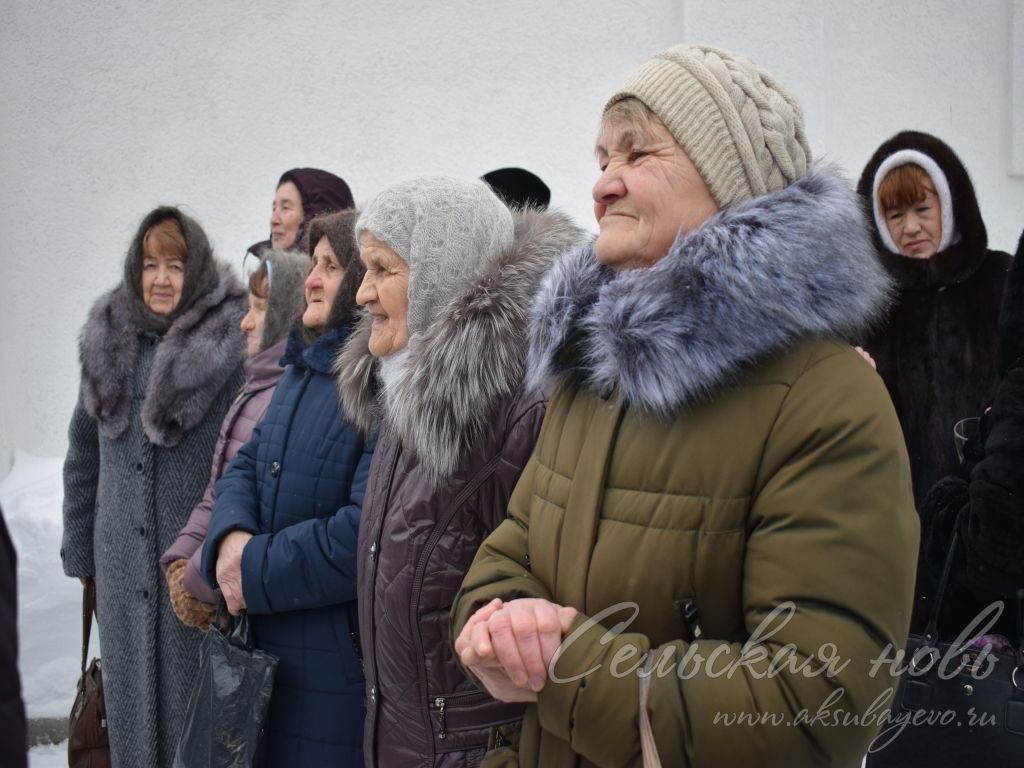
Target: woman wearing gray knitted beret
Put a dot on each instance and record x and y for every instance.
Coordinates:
(715, 535)
(438, 363)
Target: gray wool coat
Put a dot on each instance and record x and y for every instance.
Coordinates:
(140, 443)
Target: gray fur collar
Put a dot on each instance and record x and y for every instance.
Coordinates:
(195, 358)
(467, 361)
(749, 282)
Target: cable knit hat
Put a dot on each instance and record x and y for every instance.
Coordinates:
(444, 228)
(741, 128)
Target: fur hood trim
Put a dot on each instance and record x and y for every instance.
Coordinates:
(468, 360)
(749, 282)
(966, 251)
(195, 358)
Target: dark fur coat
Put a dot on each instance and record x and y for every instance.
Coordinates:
(936, 351)
(984, 501)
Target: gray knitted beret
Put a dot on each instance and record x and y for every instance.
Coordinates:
(445, 228)
(741, 128)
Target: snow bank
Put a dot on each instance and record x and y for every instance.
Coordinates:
(49, 603)
(49, 756)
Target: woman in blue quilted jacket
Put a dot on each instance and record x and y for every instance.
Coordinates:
(281, 543)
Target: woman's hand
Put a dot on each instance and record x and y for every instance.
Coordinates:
(493, 676)
(229, 570)
(509, 646)
(864, 353)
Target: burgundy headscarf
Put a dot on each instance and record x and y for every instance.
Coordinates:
(321, 192)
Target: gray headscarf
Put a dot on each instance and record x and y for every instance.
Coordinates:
(286, 278)
(445, 228)
(200, 269)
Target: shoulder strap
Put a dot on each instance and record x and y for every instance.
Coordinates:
(931, 630)
(1020, 628)
(88, 609)
(648, 746)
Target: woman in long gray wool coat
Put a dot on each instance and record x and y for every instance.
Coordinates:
(161, 361)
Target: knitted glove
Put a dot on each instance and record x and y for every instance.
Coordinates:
(191, 612)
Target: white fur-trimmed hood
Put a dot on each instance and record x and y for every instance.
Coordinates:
(470, 358)
(749, 282)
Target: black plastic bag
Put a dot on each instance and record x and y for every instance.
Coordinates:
(226, 716)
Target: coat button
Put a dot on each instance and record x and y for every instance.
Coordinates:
(275, 468)
(373, 694)
(142, 531)
(138, 466)
(145, 594)
(373, 551)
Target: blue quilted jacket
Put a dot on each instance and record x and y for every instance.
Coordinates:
(298, 487)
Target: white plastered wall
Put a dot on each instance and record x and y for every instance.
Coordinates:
(109, 109)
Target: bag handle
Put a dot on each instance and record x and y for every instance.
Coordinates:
(240, 633)
(648, 746)
(88, 609)
(1020, 639)
(931, 629)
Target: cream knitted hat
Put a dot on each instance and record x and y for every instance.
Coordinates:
(741, 128)
(445, 229)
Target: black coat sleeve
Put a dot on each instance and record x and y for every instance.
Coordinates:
(993, 526)
(12, 710)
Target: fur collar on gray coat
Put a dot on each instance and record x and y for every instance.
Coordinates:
(474, 355)
(195, 358)
(749, 282)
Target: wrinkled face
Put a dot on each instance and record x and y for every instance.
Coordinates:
(916, 229)
(252, 323)
(286, 216)
(385, 294)
(648, 191)
(322, 285)
(163, 276)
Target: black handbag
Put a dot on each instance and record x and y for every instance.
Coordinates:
(955, 705)
(225, 723)
(87, 726)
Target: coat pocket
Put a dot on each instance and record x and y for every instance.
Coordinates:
(503, 746)
(463, 720)
(346, 637)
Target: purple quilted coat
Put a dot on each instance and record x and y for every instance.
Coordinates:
(261, 375)
(445, 466)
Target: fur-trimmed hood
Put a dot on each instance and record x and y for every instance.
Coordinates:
(749, 282)
(961, 259)
(199, 353)
(470, 358)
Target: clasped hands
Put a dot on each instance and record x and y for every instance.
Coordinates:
(508, 646)
(229, 570)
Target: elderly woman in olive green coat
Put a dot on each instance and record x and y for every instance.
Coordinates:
(719, 494)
